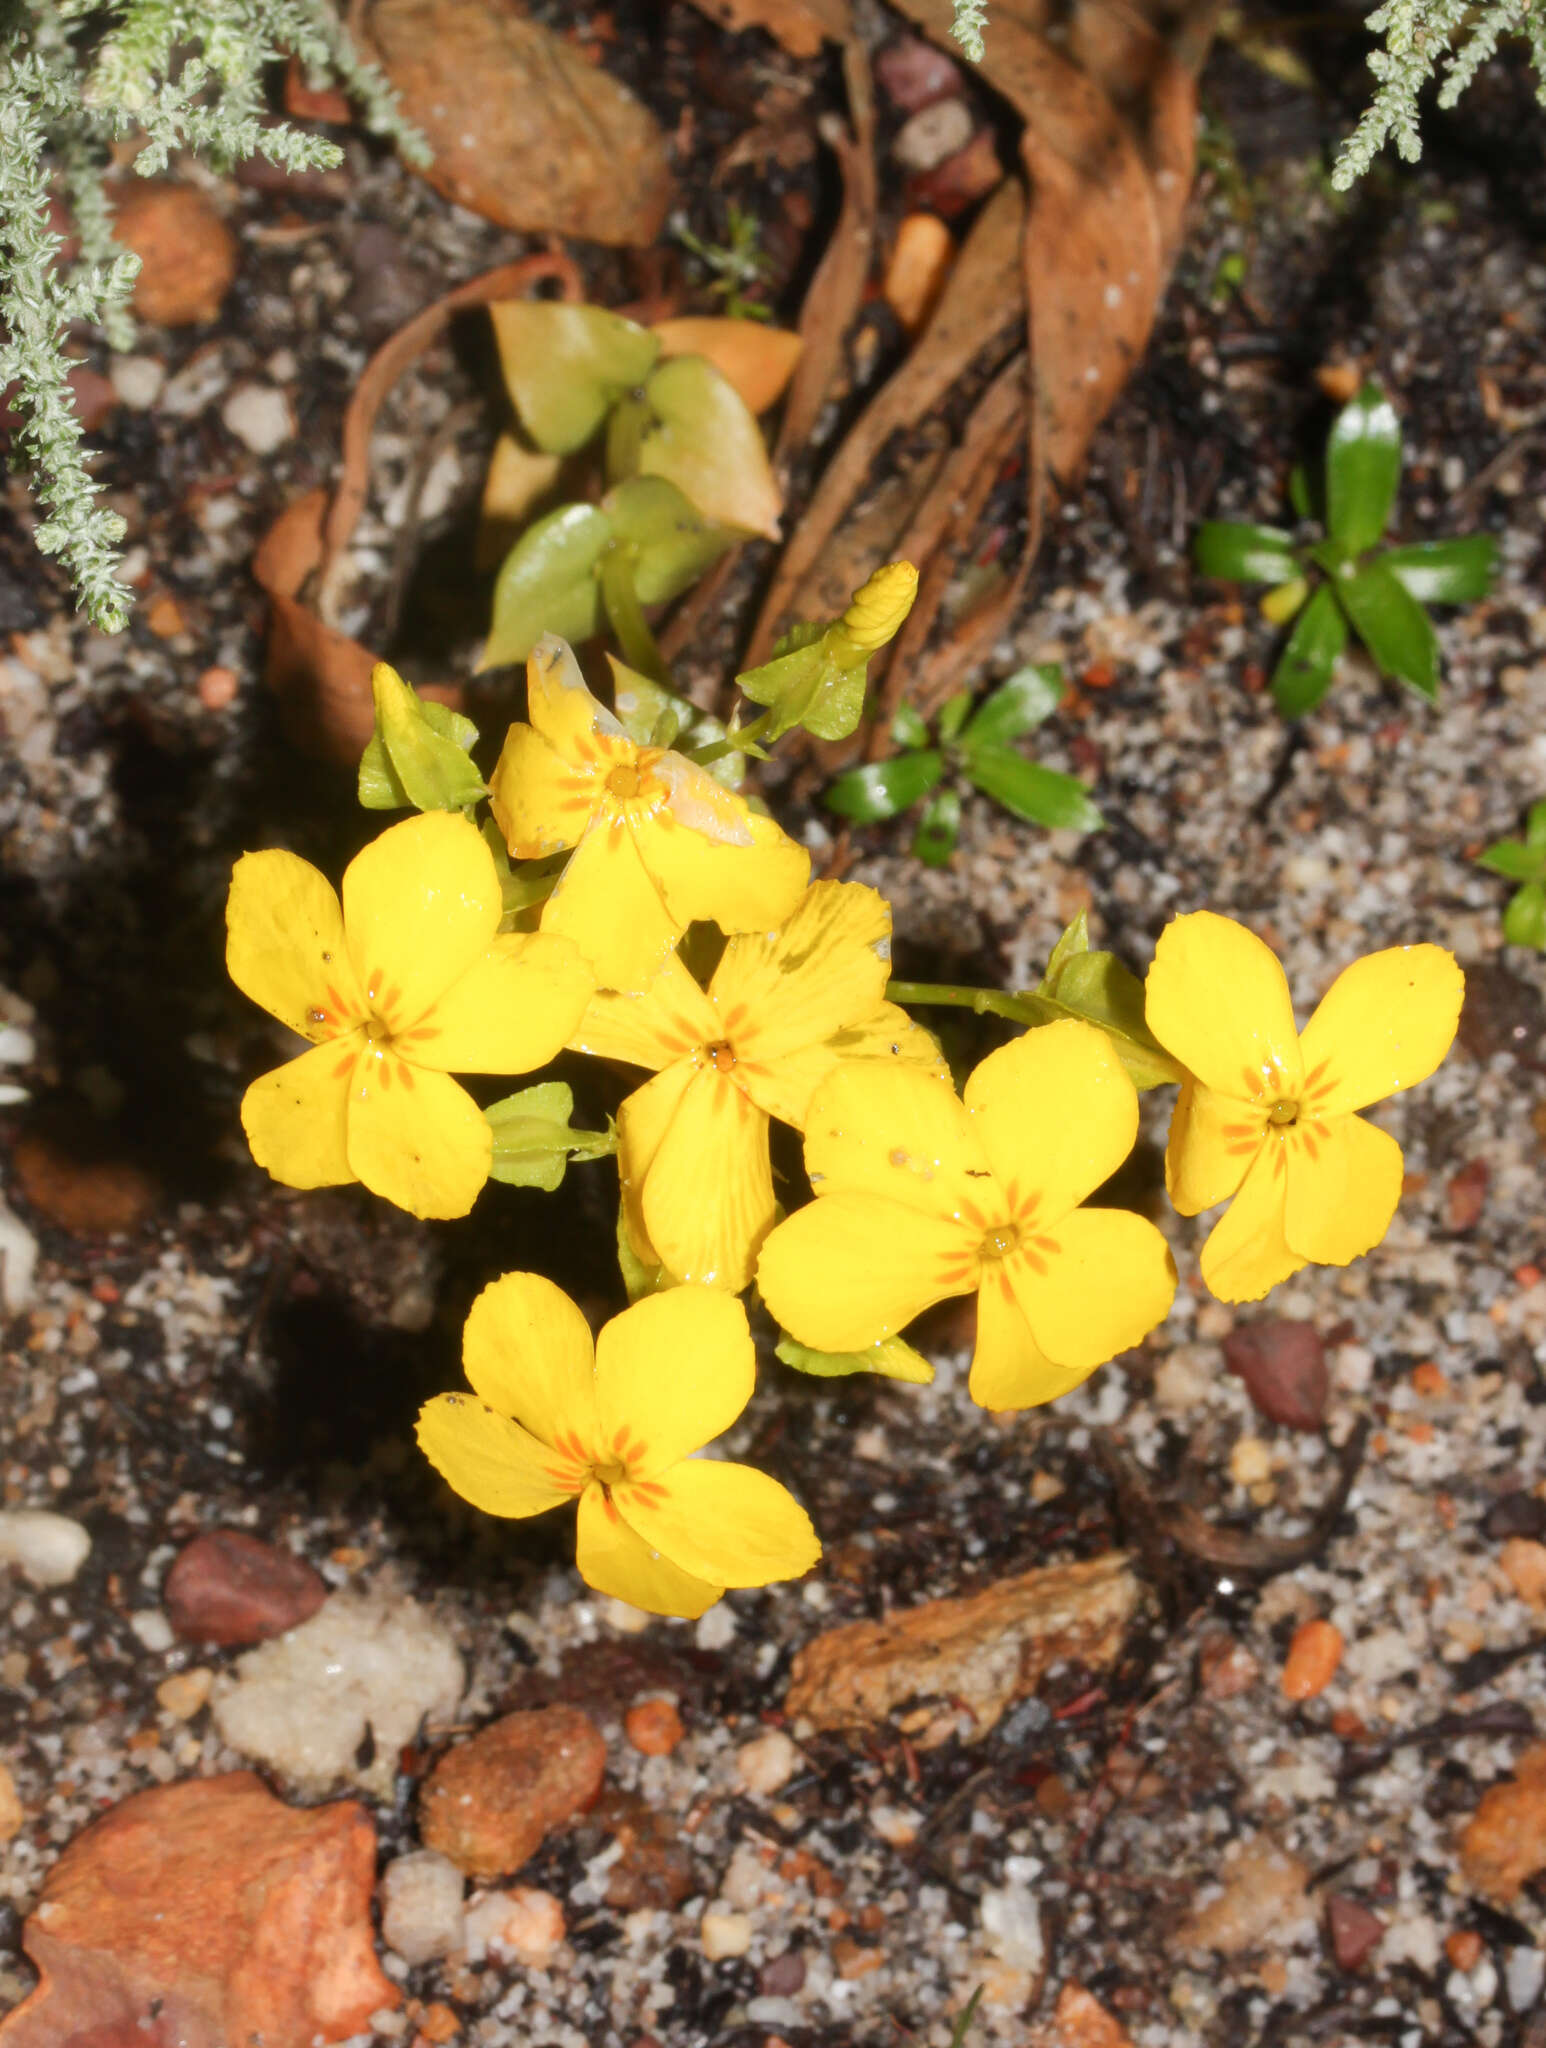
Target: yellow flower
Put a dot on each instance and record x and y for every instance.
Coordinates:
(404, 984)
(919, 1196)
(880, 605)
(657, 841)
(1268, 1115)
(614, 1427)
(782, 1009)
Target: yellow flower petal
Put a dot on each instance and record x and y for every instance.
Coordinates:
(782, 991)
(415, 1137)
(1213, 1139)
(607, 903)
(614, 1560)
(285, 945)
(1056, 1115)
(847, 1270)
(488, 1459)
(1246, 1254)
(511, 1011)
(527, 1352)
(421, 904)
(651, 1027)
(745, 888)
(541, 800)
(879, 1128)
(672, 1373)
(295, 1117)
(707, 1199)
(1095, 1284)
(559, 704)
(642, 1123)
(1009, 1368)
(1344, 1181)
(1384, 1024)
(1218, 1001)
(726, 1522)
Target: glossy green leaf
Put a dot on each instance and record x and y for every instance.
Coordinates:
(1074, 941)
(1040, 795)
(1301, 495)
(1363, 467)
(1393, 626)
(674, 543)
(654, 716)
(1030, 695)
(1535, 824)
(893, 1357)
(548, 584)
(1445, 571)
(1524, 921)
(953, 715)
(533, 1138)
(1098, 988)
(882, 788)
(938, 829)
(418, 754)
(1515, 859)
(702, 437)
(1307, 664)
(908, 728)
(1237, 553)
(819, 686)
(566, 366)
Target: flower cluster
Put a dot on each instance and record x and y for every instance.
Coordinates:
(653, 918)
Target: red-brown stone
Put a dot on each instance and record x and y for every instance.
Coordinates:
(230, 1588)
(490, 1801)
(1355, 1932)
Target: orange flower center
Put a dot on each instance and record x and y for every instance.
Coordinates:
(999, 1243)
(721, 1057)
(624, 783)
(1283, 1112)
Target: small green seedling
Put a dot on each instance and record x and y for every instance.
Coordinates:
(979, 750)
(736, 266)
(1523, 861)
(1340, 583)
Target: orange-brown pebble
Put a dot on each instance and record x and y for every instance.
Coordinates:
(1523, 1563)
(187, 253)
(438, 2023)
(654, 1727)
(217, 688)
(1429, 1381)
(1339, 381)
(853, 1961)
(164, 616)
(1313, 1657)
(920, 263)
(1464, 1948)
(1527, 1276)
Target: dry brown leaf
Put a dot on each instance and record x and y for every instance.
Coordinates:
(518, 480)
(801, 26)
(758, 360)
(525, 129)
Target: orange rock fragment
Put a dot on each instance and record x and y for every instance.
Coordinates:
(920, 262)
(653, 1727)
(1463, 1948)
(214, 1908)
(1313, 1657)
(1429, 1381)
(187, 253)
(1503, 1844)
(1523, 1563)
(1079, 2020)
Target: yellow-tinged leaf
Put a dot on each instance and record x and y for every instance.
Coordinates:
(514, 491)
(757, 359)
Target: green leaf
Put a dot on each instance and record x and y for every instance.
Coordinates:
(1515, 859)
(820, 686)
(1015, 707)
(1098, 988)
(1524, 921)
(1445, 571)
(1306, 665)
(1040, 795)
(639, 1279)
(674, 543)
(938, 830)
(1075, 940)
(654, 716)
(953, 715)
(1300, 495)
(1363, 466)
(533, 1139)
(418, 753)
(1237, 553)
(548, 584)
(702, 437)
(1393, 626)
(1535, 824)
(566, 366)
(892, 1357)
(882, 788)
(907, 726)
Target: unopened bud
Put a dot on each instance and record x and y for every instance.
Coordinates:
(880, 606)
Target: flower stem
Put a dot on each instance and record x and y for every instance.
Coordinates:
(1023, 1008)
(626, 615)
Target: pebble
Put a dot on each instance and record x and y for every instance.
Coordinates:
(137, 380)
(919, 264)
(1283, 1366)
(153, 1630)
(913, 74)
(18, 1261)
(185, 1692)
(1504, 1842)
(724, 1934)
(46, 1548)
(491, 1801)
(217, 688)
(1523, 1563)
(530, 1925)
(259, 416)
(1515, 1514)
(961, 180)
(1264, 1899)
(765, 1766)
(933, 133)
(783, 1975)
(1465, 1195)
(1463, 1948)
(1011, 1925)
(12, 1812)
(421, 1906)
(1250, 1462)
(231, 1588)
(1313, 1657)
(1226, 1667)
(187, 253)
(1354, 1930)
(1079, 2020)
(653, 1727)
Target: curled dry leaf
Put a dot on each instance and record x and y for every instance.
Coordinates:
(757, 359)
(525, 129)
(801, 26)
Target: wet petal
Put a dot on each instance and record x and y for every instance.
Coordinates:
(672, 1373)
(513, 1010)
(1344, 1181)
(1213, 1139)
(708, 1192)
(642, 1123)
(784, 1086)
(651, 1027)
(1056, 1115)
(488, 1459)
(561, 707)
(741, 888)
(847, 1270)
(1218, 1001)
(295, 1117)
(1009, 1368)
(1385, 1024)
(613, 1559)
(782, 991)
(879, 1128)
(542, 801)
(416, 1138)
(1093, 1286)
(421, 903)
(606, 902)
(726, 1522)
(1246, 1254)
(285, 945)
(527, 1352)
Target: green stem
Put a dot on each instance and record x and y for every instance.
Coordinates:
(742, 741)
(626, 615)
(1023, 1008)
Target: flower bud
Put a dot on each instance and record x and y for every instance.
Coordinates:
(880, 606)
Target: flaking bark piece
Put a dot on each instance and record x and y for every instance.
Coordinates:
(966, 1659)
(801, 26)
